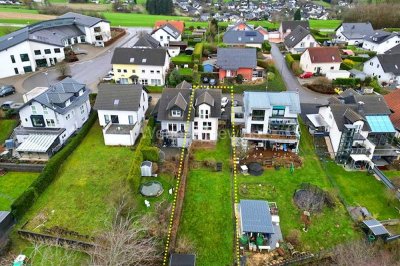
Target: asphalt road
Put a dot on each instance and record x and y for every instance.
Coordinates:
(292, 84)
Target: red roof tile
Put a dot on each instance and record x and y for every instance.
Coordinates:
(325, 55)
(179, 25)
(393, 101)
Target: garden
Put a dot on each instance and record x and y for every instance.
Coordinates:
(6, 128)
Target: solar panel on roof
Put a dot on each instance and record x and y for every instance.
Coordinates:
(250, 33)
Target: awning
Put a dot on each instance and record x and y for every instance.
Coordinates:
(360, 157)
(380, 124)
(317, 120)
(37, 143)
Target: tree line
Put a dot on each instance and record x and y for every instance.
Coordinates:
(160, 7)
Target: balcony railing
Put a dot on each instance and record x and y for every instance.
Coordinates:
(179, 134)
(272, 134)
(360, 151)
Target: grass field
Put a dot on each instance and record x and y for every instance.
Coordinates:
(6, 30)
(322, 3)
(182, 59)
(207, 211)
(325, 24)
(12, 185)
(6, 128)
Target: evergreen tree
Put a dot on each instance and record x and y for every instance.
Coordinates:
(297, 15)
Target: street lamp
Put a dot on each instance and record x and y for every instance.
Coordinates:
(46, 73)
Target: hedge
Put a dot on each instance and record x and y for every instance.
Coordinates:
(346, 81)
(344, 66)
(22, 204)
(289, 60)
(358, 59)
(151, 154)
(198, 52)
(296, 57)
(266, 46)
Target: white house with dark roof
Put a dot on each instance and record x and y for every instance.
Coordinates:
(298, 40)
(166, 33)
(121, 111)
(287, 27)
(381, 41)
(42, 44)
(140, 65)
(321, 60)
(353, 33)
(385, 67)
(49, 117)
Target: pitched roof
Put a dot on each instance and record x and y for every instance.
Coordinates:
(235, 58)
(324, 55)
(255, 216)
(168, 98)
(286, 25)
(139, 56)
(178, 101)
(83, 20)
(146, 40)
(267, 100)
(380, 36)
(390, 63)
(356, 30)
(393, 101)
(118, 97)
(212, 97)
(394, 50)
(240, 26)
(243, 37)
(262, 30)
(184, 85)
(179, 25)
(296, 36)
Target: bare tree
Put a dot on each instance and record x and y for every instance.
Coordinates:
(63, 68)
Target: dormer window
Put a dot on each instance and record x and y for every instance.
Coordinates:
(81, 92)
(67, 103)
(176, 113)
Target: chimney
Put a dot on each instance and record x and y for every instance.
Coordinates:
(360, 107)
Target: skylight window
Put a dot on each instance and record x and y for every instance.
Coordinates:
(144, 60)
(116, 101)
(132, 60)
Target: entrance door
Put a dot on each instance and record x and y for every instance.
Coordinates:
(114, 119)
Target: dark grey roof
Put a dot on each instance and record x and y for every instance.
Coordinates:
(182, 260)
(235, 58)
(379, 36)
(243, 37)
(255, 216)
(205, 97)
(170, 29)
(394, 50)
(390, 63)
(292, 25)
(178, 101)
(212, 97)
(184, 85)
(139, 56)
(357, 30)
(170, 95)
(296, 36)
(352, 116)
(146, 40)
(55, 97)
(376, 227)
(83, 20)
(55, 35)
(118, 97)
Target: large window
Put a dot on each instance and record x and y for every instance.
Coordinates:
(37, 52)
(27, 69)
(278, 111)
(206, 125)
(258, 115)
(204, 113)
(37, 121)
(172, 127)
(47, 51)
(176, 113)
(24, 57)
(57, 50)
(130, 118)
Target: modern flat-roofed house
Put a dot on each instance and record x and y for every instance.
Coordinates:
(270, 120)
(146, 66)
(248, 38)
(381, 41)
(234, 61)
(299, 40)
(42, 44)
(121, 110)
(49, 117)
(353, 33)
(359, 129)
(385, 67)
(166, 31)
(287, 27)
(320, 60)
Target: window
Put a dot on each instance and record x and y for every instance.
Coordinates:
(130, 119)
(302, 44)
(47, 51)
(206, 125)
(143, 71)
(161, 38)
(12, 58)
(106, 119)
(204, 113)
(37, 52)
(144, 82)
(50, 123)
(155, 82)
(332, 67)
(196, 125)
(57, 50)
(158, 72)
(68, 117)
(133, 71)
(119, 70)
(278, 111)
(82, 109)
(45, 110)
(27, 69)
(172, 127)
(125, 71)
(37, 121)
(377, 66)
(258, 115)
(33, 108)
(205, 136)
(24, 57)
(16, 71)
(176, 113)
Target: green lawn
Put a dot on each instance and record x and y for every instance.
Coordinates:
(6, 30)
(18, 21)
(207, 211)
(17, 9)
(325, 24)
(6, 128)
(185, 71)
(182, 59)
(328, 228)
(12, 185)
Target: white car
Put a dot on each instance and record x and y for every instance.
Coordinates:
(224, 101)
(108, 78)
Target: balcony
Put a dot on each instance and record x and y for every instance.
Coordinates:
(274, 135)
(364, 151)
(282, 121)
(175, 135)
(118, 129)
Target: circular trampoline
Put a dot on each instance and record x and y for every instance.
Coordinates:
(255, 169)
(151, 189)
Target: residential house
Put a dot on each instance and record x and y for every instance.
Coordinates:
(240, 26)
(184, 85)
(393, 101)
(243, 38)
(49, 117)
(166, 31)
(394, 50)
(263, 31)
(173, 111)
(121, 111)
(385, 67)
(353, 33)
(232, 62)
(140, 66)
(381, 41)
(320, 60)
(270, 120)
(145, 40)
(287, 27)
(299, 40)
(42, 44)
(359, 129)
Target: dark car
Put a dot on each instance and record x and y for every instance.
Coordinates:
(6, 90)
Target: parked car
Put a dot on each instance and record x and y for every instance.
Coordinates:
(224, 101)
(6, 90)
(205, 80)
(213, 82)
(108, 78)
(6, 105)
(306, 75)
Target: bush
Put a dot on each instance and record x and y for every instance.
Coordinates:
(322, 85)
(150, 154)
(289, 60)
(239, 78)
(198, 51)
(352, 82)
(23, 203)
(349, 62)
(296, 68)
(266, 46)
(358, 59)
(294, 237)
(296, 56)
(344, 66)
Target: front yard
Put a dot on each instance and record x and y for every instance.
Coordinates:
(207, 220)
(12, 185)
(6, 128)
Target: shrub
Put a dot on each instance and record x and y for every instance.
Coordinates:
(296, 56)
(266, 46)
(346, 82)
(289, 60)
(198, 51)
(150, 154)
(349, 62)
(239, 78)
(296, 68)
(23, 203)
(344, 66)
(294, 237)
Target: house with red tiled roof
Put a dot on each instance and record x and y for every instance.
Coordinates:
(263, 31)
(179, 25)
(321, 60)
(393, 101)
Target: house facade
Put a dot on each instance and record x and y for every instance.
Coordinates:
(381, 41)
(385, 67)
(42, 44)
(270, 120)
(287, 27)
(140, 66)
(299, 40)
(49, 117)
(353, 33)
(169, 31)
(320, 60)
(121, 111)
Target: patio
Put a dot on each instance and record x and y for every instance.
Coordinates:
(269, 158)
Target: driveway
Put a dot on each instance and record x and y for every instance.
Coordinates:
(292, 83)
(89, 72)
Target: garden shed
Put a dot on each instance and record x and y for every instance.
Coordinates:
(208, 65)
(146, 168)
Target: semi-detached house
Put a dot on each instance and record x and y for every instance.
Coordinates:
(385, 67)
(299, 40)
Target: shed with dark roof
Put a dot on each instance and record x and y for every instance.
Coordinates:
(182, 260)
(255, 217)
